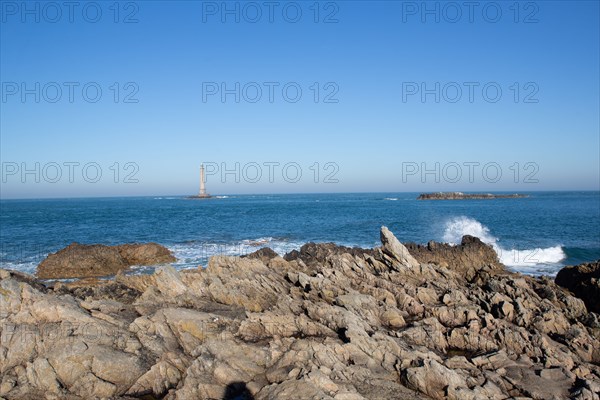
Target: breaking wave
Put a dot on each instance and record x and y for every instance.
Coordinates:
(533, 261)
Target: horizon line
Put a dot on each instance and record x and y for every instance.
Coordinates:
(296, 193)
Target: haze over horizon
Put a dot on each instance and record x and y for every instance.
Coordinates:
(328, 97)
(229, 195)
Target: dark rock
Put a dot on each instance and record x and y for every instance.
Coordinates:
(584, 282)
(313, 253)
(98, 289)
(265, 254)
(21, 277)
(467, 196)
(592, 320)
(467, 258)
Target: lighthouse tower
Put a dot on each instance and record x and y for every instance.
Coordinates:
(202, 194)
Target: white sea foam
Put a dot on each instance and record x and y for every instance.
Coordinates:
(516, 258)
(391, 198)
(457, 227)
(193, 254)
(531, 261)
(28, 267)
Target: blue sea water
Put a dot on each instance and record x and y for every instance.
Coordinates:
(534, 235)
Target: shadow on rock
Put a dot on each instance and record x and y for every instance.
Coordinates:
(237, 391)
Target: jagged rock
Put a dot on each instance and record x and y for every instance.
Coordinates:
(395, 249)
(162, 376)
(314, 253)
(471, 256)
(326, 322)
(265, 254)
(98, 289)
(82, 260)
(584, 281)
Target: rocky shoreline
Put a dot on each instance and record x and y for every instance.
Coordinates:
(324, 322)
(468, 196)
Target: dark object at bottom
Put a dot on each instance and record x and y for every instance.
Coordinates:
(237, 391)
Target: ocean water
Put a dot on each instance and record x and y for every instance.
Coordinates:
(535, 235)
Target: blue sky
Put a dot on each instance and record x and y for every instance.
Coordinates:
(366, 128)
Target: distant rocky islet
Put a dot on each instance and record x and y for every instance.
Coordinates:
(468, 196)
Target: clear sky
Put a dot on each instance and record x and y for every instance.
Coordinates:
(462, 90)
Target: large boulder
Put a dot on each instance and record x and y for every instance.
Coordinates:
(83, 260)
(584, 281)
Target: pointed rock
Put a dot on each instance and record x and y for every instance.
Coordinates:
(393, 248)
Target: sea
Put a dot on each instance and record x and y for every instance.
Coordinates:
(536, 235)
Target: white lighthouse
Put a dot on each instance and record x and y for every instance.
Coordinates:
(202, 193)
